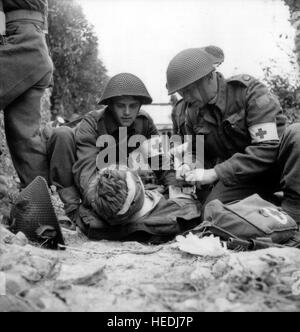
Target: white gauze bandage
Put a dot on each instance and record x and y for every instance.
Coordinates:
(131, 186)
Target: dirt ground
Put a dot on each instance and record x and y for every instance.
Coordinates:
(131, 277)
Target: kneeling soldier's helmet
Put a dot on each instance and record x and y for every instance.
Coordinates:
(191, 65)
(125, 84)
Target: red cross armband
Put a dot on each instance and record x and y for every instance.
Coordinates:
(264, 132)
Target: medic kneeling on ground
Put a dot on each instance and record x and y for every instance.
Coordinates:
(248, 147)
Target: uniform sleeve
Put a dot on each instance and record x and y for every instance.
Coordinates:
(189, 124)
(85, 167)
(175, 125)
(266, 124)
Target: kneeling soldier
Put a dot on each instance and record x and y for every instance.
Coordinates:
(77, 149)
(244, 129)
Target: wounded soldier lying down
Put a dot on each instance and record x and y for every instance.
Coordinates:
(119, 208)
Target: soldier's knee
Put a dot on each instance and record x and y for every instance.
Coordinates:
(63, 134)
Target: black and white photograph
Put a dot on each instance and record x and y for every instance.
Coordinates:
(149, 158)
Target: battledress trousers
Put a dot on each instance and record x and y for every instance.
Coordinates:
(25, 72)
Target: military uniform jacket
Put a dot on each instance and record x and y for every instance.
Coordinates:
(242, 129)
(178, 118)
(38, 5)
(99, 123)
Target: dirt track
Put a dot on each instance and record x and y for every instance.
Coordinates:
(114, 277)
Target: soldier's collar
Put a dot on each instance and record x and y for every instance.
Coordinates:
(221, 97)
(111, 124)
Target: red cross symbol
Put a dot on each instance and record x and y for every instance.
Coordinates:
(276, 214)
(261, 133)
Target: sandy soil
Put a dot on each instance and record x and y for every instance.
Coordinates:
(114, 277)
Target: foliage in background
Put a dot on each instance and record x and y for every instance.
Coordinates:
(79, 73)
(294, 7)
(287, 92)
(285, 85)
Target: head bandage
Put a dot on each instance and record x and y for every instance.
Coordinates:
(131, 186)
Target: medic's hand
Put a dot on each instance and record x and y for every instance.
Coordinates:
(179, 150)
(202, 176)
(182, 171)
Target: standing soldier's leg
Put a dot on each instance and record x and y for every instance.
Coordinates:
(25, 73)
(22, 127)
(289, 161)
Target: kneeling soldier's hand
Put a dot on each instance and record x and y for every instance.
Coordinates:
(202, 176)
(182, 171)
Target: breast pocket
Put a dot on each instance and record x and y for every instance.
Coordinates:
(236, 124)
(203, 130)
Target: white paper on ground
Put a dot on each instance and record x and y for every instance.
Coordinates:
(207, 246)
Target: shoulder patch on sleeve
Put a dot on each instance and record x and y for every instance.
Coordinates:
(243, 79)
(264, 132)
(263, 101)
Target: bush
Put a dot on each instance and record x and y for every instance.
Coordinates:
(79, 74)
(287, 91)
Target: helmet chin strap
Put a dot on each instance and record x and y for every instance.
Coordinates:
(203, 92)
(204, 95)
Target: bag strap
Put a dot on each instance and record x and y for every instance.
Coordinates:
(234, 242)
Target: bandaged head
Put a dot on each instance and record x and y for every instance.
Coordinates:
(116, 194)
